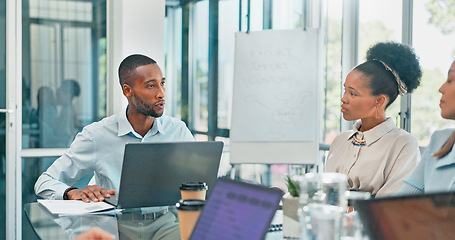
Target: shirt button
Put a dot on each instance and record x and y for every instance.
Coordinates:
(355, 155)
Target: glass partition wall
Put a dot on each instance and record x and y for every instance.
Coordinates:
(63, 80)
(2, 119)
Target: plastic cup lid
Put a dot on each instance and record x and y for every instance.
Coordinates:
(194, 186)
(190, 204)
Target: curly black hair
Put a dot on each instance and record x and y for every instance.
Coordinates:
(401, 58)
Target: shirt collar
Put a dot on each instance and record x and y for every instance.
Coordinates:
(375, 133)
(448, 159)
(124, 126)
(156, 128)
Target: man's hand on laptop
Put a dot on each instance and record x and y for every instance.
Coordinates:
(91, 192)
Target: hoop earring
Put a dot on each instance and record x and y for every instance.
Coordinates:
(377, 112)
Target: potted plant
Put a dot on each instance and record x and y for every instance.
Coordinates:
(293, 187)
(290, 209)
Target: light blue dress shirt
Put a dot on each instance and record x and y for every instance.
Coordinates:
(99, 148)
(432, 174)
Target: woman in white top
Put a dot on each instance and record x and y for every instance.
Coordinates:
(376, 155)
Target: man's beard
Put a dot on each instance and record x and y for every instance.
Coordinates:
(145, 108)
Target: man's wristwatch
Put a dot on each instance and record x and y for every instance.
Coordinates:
(65, 194)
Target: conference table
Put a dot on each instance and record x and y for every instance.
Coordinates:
(143, 223)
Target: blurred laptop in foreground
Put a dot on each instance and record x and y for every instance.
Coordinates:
(429, 216)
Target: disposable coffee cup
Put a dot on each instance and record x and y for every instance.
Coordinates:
(193, 190)
(188, 212)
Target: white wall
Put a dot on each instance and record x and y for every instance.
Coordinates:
(133, 26)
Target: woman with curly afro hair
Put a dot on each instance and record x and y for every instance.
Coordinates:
(376, 155)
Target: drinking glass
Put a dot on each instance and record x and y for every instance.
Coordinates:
(323, 201)
(352, 225)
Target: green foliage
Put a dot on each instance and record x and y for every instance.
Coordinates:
(426, 114)
(332, 83)
(442, 14)
(293, 187)
(372, 32)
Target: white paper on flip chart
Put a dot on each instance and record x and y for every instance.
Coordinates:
(74, 207)
(275, 91)
(276, 106)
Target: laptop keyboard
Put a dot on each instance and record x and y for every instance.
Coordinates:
(275, 227)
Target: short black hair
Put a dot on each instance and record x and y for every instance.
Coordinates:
(71, 88)
(129, 64)
(401, 58)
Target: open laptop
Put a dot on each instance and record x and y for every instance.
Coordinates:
(429, 216)
(237, 210)
(153, 172)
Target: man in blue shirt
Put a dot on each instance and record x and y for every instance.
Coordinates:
(99, 147)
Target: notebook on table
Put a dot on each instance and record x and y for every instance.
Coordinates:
(153, 172)
(429, 216)
(237, 210)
